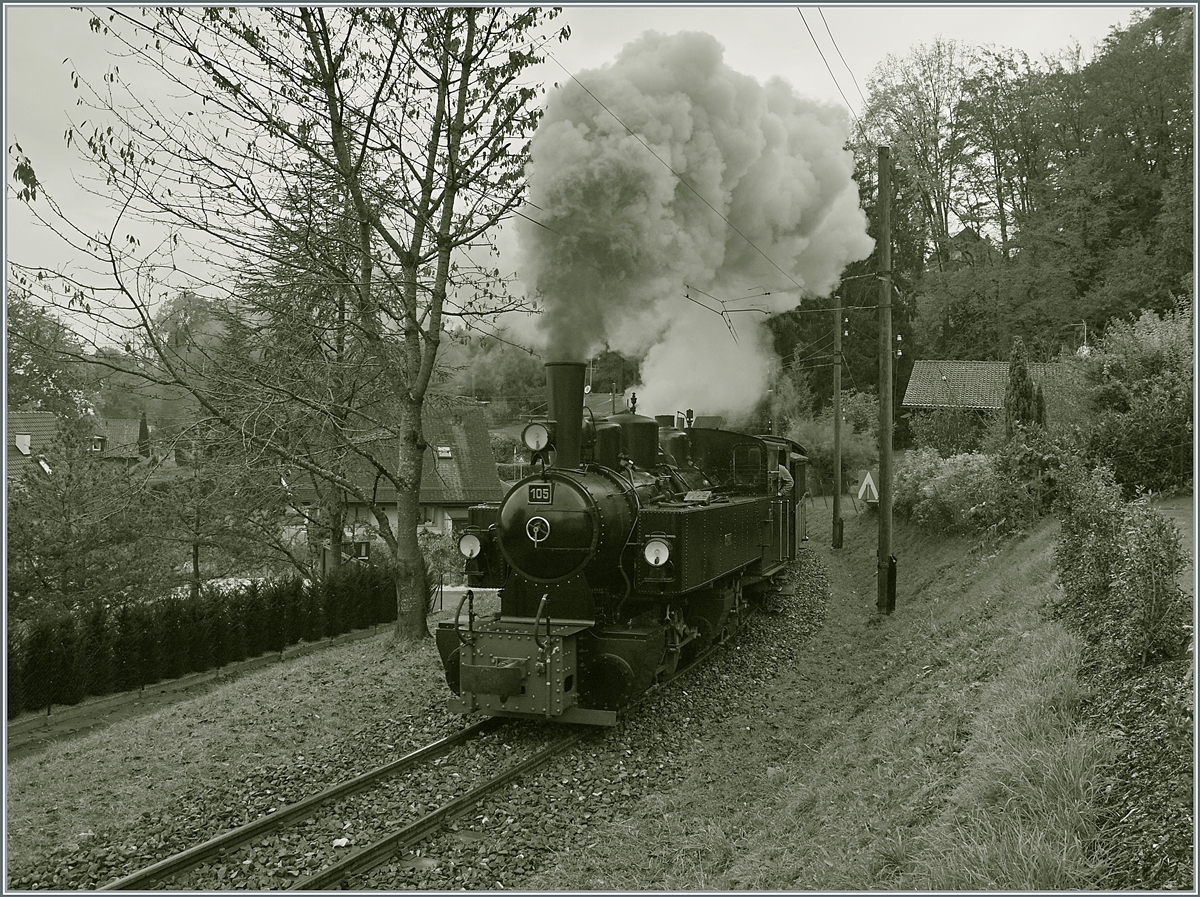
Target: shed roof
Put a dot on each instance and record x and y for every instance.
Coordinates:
(969, 385)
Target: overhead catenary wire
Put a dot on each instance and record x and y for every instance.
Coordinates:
(833, 40)
(823, 59)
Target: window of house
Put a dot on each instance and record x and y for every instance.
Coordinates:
(362, 550)
(46, 467)
(22, 440)
(428, 514)
(443, 451)
(98, 443)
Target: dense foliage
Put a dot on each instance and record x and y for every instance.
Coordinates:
(948, 431)
(1119, 564)
(1142, 393)
(1040, 199)
(859, 448)
(61, 656)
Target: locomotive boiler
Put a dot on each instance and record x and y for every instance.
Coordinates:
(634, 545)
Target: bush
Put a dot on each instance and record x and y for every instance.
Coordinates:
(1150, 444)
(859, 451)
(965, 492)
(14, 661)
(1142, 396)
(1031, 460)
(948, 431)
(442, 561)
(1119, 564)
(60, 656)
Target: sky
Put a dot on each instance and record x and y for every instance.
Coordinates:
(808, 46)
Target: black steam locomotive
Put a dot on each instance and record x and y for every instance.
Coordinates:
(635, 545)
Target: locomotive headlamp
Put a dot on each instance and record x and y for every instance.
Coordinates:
(469, 545)
(537, 436)
(656, 552)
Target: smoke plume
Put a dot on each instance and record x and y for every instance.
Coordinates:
(754, 208)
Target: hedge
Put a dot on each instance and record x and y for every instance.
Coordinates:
(61, 657)
(1119, 564)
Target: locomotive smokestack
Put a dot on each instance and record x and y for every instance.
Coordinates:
(564, 394)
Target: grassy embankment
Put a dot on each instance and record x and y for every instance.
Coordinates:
(938, 748)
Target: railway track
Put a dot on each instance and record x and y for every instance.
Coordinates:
(213, 852)
(201, 854)
(385, 848)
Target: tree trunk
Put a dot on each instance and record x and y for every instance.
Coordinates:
(195, 583)
(409, 564)
(335, 521)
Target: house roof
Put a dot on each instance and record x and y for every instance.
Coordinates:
(970, 385)
(468, 475)
(121, 436)
(458, 467)
(26, 435)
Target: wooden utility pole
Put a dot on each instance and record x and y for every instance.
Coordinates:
(885, 601)
(837, 418)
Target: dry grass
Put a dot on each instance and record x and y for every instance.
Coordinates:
(936, 748)
(111, 777)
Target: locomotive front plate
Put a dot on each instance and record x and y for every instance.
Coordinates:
(541, 493)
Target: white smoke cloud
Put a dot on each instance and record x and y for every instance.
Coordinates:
(769, 206)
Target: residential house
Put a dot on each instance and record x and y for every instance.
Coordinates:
(28, 435)
(458, 471)
(968, 249)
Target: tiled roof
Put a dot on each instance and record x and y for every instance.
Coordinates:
(977, 385)
(39, 426)
(120, 435)
(458, 467)
(468, 475)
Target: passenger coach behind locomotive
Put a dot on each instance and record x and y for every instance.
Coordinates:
(616, 559)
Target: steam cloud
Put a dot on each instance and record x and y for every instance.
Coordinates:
(620, 240)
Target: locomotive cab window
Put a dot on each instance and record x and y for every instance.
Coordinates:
(747, 465)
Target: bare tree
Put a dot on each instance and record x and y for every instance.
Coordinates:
(914, 104)
(383, 143)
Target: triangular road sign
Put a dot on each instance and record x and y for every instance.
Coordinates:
(867, 490)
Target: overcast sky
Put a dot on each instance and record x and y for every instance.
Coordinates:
(760, 40)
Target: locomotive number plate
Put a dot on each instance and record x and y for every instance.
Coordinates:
(541, 493)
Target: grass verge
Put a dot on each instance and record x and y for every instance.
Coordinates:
(937, 748)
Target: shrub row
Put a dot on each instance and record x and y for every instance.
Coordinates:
(63, 656)
(1119, 564)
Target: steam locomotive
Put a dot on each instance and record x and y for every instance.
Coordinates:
(635, 545)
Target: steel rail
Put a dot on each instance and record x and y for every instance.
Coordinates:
(289, 813)
(376, 854)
